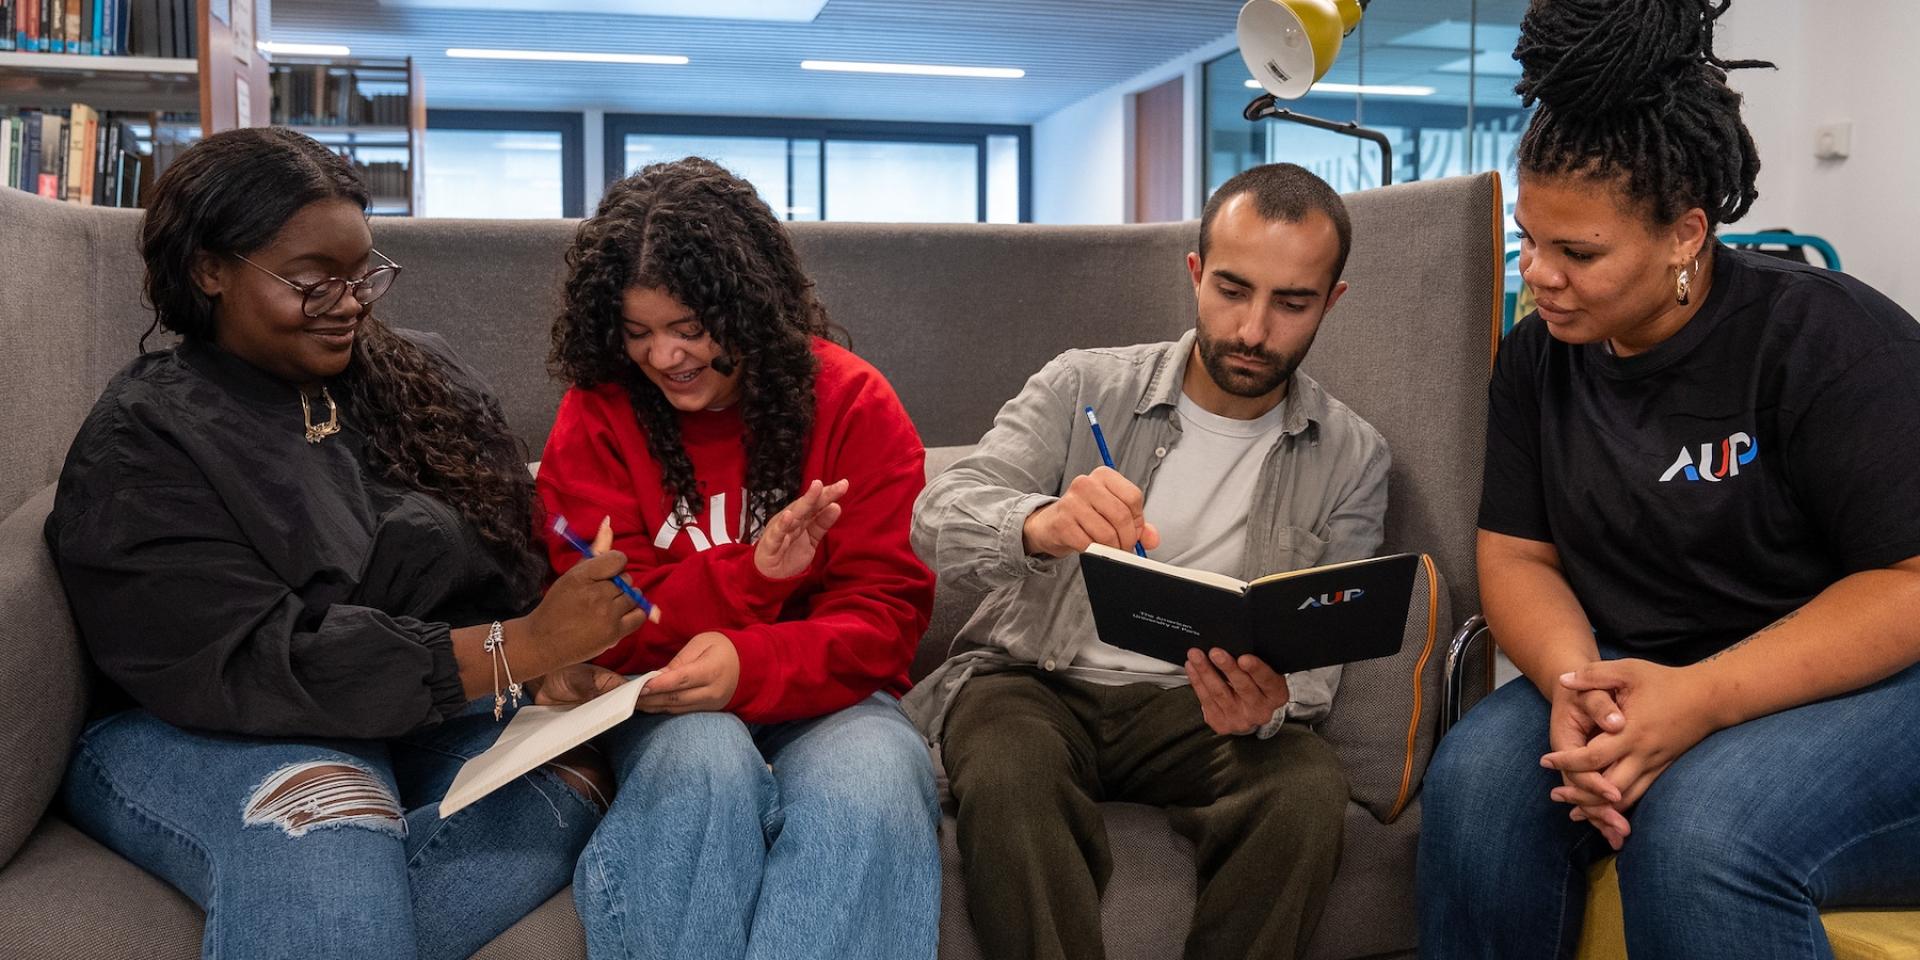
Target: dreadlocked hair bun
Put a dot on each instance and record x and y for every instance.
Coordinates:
(1632, 90)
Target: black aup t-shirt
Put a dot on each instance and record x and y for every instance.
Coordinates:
(1700, 490)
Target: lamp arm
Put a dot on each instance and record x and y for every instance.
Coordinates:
(1264, 107)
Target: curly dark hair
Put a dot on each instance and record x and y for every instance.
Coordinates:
(1632, 90)
(701, 234)
(230, 194)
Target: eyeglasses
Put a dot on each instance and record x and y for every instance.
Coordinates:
(318, 298)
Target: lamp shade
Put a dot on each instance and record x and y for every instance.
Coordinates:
(1289, 44)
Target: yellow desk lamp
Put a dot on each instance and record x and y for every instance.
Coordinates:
(1288, 46)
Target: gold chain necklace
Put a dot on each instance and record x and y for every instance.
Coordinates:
(317, 432)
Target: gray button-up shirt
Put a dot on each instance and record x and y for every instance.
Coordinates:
(1321, 498)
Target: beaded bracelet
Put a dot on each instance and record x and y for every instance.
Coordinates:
(496, 647)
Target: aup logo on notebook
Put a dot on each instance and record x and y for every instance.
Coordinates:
(1329, 599)
(1717, 462)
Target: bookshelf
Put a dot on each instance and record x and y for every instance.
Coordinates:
(373, 111)
(158, 103)
(155, 84)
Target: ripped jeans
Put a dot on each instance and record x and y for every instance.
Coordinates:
(328, 848)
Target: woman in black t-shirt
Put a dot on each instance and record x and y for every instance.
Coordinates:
(1698, 540)
(288, 543)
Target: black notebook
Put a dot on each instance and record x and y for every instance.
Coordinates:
(1315, 617)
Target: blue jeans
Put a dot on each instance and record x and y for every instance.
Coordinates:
(327, 848)
(1734, 849)
(810, 839)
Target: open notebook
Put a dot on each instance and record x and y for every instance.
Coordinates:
(536, 735)
(1314, 617)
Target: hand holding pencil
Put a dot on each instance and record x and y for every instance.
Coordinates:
(1099, 507)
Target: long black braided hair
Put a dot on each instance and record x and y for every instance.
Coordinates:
(703, 235)
(1631, 90)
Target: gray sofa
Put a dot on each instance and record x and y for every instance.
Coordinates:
(957, 317)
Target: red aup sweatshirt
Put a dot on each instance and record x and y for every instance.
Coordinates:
(808, 645)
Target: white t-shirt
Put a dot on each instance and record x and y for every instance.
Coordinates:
(1199, 501)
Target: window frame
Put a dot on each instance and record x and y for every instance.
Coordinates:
(619, 125)
(570, 126)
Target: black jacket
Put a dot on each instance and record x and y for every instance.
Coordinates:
(229, 576)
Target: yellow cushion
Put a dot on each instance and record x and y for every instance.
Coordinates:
(1855, 934)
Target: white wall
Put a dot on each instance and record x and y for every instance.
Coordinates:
(1079, 158)
(1083, 153)
(1838, 62)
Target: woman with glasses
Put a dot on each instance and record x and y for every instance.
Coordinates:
(298, 546)
(774, 802)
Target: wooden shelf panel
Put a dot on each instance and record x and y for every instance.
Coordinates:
(78, 63)
(49, 80)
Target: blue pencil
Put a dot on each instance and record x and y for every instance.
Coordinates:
(1106, 457)
(586, 550)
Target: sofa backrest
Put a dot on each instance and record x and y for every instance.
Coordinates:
(956, 316)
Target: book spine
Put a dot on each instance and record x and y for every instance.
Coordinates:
(29, 151)
(73, 25)
(42, 19)
(53, 153)
(148, 44)
(111, 194)
(97, 143)
(6, 151)
(84, 36)
(75, 177)
(6, 25)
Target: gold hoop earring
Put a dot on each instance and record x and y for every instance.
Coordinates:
(1683, 283)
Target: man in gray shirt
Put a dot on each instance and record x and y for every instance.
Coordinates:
(1228, 459)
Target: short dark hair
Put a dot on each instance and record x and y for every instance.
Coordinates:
(1286, 192)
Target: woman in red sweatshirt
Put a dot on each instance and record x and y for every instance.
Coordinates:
(772, 799)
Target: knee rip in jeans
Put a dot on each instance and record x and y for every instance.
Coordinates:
(322, 793)
(584, 770)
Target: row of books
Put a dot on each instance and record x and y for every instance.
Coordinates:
(141, 28)
(308, 95)
(78, 155)
(386, 180)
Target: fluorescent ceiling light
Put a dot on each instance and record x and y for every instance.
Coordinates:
(913, 69)
(567, 56)
(304, 49)
(785, 11)
(1370, 89)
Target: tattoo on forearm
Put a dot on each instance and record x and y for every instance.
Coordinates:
(1777, 624)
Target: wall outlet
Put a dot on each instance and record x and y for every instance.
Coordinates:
(1833, 141)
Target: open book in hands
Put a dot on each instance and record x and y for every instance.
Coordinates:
(536, 735)
(1314, 617)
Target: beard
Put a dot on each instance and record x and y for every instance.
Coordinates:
(1214, 354)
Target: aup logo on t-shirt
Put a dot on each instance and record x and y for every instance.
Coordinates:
(1717, 461)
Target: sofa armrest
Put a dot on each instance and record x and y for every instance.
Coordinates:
(1469, 671)
(43, 670)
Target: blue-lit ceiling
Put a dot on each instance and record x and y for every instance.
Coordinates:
(1070, 49)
